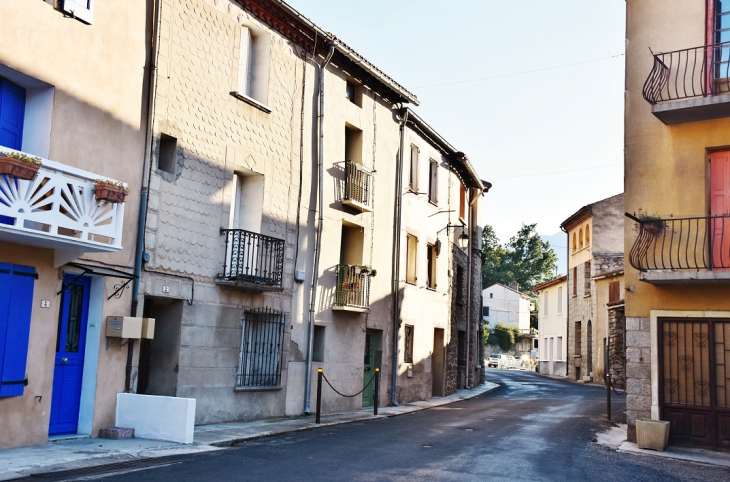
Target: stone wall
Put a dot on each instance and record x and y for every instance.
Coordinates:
(455, 373)
(638, 372)
(617, 349)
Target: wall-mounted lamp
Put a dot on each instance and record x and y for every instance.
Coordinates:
(464, 241)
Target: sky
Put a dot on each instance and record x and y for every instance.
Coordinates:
(531, 91)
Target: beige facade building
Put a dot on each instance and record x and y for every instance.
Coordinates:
(595, 246)
(553, 326)
(73, 94)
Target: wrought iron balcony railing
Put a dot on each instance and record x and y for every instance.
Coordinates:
(695, 243)
(357, 186)
(695, 72)
(353, 287)
(253, 258)
(58, 210)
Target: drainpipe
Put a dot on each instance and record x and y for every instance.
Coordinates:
(320, 219)
(396, 256)
(144, 192)
(567, 301)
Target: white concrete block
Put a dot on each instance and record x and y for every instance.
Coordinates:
(157, 418)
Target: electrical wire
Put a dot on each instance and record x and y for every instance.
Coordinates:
(520, 73)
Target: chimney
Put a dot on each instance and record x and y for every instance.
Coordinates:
(514, 286)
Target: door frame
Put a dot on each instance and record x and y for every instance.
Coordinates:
(91, 355)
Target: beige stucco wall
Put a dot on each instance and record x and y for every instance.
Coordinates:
(580, 251)
(97, 75)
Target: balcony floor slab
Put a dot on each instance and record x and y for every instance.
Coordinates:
(353, 309)
(667, 277)
(247, 285)
(692, 110)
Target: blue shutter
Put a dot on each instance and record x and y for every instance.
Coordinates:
(16, 304)
(12, 114)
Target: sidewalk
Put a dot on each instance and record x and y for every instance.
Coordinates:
(70, 454)
(615, 438)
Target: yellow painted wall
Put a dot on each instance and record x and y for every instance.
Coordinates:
(666, 167)
(580, 252)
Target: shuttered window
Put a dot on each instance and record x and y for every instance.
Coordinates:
(614, 291)
(16, 303)
(245, 60)
(433, 171)
(413, 176)
(80, 9)
(587, 278)
(12, 114)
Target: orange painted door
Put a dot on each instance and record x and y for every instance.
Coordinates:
(720, 206)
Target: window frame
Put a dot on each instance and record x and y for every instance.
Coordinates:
(433, 181)
(431, 257)
(413, 171)
(411, 259)
(275, 327)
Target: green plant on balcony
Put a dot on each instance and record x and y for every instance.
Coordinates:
(110, 191)
(652, 223)
(19, 165)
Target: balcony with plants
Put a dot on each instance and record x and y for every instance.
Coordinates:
(48, 204)
(353, 287)
(691, 250)
(690, 85)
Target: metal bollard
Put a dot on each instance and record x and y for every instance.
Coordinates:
(319, 395)
(608, 397)
(377, 391)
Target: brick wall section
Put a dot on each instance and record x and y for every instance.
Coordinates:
(617, 350)
(638, 372)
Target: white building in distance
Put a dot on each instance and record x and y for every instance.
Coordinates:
(506, 305)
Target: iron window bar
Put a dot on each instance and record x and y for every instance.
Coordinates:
(353, 286)
(259, 358)
(357, 183)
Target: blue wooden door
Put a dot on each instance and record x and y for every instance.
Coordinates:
(12, 114)
(69, 366)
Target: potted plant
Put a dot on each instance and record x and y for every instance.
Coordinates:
(110, 191)
(652, 223)
(19, 165)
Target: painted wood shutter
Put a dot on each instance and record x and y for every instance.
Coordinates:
(80, 9)
(433, 182)
(413, 179)
(16, 304)
(245, 56)
(12, 114)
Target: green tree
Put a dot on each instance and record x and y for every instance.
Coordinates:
(526, 259)
(504, 336)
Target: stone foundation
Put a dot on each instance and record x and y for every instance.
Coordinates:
(638, 372)
(617, 348)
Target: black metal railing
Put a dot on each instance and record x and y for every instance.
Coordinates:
(357, 183)
(694, 243)
(259, 359)
(253, 257)
(353, 286)
(694, 72)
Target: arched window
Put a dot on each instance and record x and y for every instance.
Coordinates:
(588, 235)
(575, 243)
(580, 238)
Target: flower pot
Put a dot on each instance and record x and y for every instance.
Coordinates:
(108, 193)
(653, 227)
(652, 434)
(18, 169)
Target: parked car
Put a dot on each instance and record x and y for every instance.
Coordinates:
(497, 361)
(510, 362)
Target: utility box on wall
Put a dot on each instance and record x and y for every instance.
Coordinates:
(148, 328)
(124, 327)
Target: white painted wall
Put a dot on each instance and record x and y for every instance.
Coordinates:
(157, 418)
(506, 306)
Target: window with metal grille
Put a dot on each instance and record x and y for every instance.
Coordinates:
(408, 344)
(259, 360)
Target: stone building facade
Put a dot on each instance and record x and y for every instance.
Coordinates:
(595, 241)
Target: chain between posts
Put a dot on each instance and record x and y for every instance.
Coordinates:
(376, 395)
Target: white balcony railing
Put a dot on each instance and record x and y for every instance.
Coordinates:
(58, 210)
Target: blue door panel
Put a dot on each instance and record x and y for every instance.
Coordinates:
(69, 363)
(16, 305)
(12, 114)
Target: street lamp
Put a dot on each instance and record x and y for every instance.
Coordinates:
(463, 241)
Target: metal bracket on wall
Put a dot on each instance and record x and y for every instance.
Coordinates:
(111, 341)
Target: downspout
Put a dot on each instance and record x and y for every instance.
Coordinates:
(396, 258)
(144, 192)
(567, 301)
(318, 242)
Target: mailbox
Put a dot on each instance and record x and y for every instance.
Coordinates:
(148, 328)
(124, 327)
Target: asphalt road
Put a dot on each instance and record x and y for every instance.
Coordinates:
(531, 428)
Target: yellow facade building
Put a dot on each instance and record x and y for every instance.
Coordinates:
(677, 235)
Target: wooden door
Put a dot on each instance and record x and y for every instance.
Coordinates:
(720, 206)
(70, 348)
(694, 382)
(368, 370)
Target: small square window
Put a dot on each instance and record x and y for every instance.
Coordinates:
(167, 158)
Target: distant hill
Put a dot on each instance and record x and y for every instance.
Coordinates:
(558, 242)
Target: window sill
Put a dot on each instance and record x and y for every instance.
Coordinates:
(257, 389)
(412, 283)
(431, 289)
(252, 102)
(433, 203)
